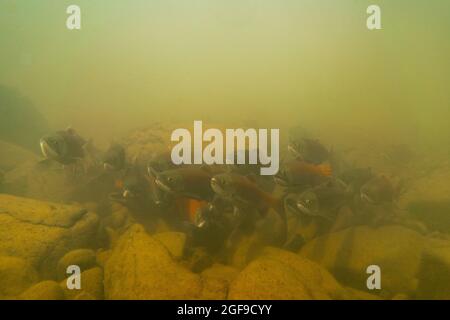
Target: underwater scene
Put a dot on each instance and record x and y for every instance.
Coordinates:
(226, 149)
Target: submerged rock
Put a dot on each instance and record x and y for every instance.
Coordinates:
(427, 198)
(217, 279)
(140, 267)
(15, 276)
(214, 289)
(348, 253)
(175, 242)
(45, 290)
(91, 286)
(102, 256)
(198, 259)
(279, 274)
(83, 258)
(42, 232)
(221, 272)
(434, 275)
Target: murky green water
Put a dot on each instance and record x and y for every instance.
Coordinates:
(374, 99)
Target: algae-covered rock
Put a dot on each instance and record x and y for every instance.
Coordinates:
(83, 258)
(198, 259)
(84, 296)
(279, 274)
(216, 280)
(214, 289)
(245, 250)
(119, 217)
(42, 232)
(16, 275)
(355, 294)
(45, 290)
(427, 198)
(348, 253)
(91, 286)
(102, 256)
(434, 278)
(140, 267)
(220, 272)
(175, 242)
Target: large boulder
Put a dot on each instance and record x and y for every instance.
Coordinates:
(175, 242)
(348, 253)
(45, 290)
(217, 279)
(83, 258)
(141, 267)
(427, 198)
(91, 281)
(15, 276)
(434, 277)
(42, 232)
(279, 274)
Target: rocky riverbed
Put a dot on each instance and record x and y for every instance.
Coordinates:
(119, 259)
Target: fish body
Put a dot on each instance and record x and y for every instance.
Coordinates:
(134, 184)
(302, 173)
(191, 182)
(65, 147)
(378, 190)
(189, 208)
(321, 201)
(310, 150)
(246, 195)
(356, 177)
(243, 191)
(161, 162)
(114, 158)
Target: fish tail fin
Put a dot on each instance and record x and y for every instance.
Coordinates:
(325, 169)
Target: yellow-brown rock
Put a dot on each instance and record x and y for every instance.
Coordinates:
(45, 290)
(83, 258)
(16, 275)
(140, 267)
(348, 253)
(174, 242)
(91, 286)
(279, 274)
(42, 232)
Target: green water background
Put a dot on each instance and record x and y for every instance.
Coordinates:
(264, 62)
